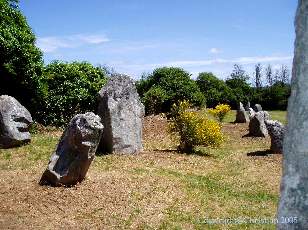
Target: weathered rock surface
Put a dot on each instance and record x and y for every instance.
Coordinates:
(294, 184)
(251, 113)
(15, 120)
(241, 114)
(247, 107)
(121, 111)
(257, 127)
(276, 131)
(70, 162)
(257, 108)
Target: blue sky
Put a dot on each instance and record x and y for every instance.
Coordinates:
(136, 36)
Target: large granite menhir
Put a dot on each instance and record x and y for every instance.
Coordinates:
(294, 184)
(257, 127)
(70, 162)
(241, 114)
(257, 108)
(121, 111)
(276, 131)
(15, 120)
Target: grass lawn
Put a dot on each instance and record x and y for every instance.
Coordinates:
(275, 115)
(156, 189)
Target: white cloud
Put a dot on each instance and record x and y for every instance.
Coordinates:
(221, 67)
(215, 50)
(240, 60)
(209, 62)
(132, 47)
(93, 39)
(53, 43)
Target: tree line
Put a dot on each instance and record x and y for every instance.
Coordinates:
(168, 85)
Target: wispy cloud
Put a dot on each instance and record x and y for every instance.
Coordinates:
(240, 60)
(198, 63)
(133, 47)
(215, 50)
(53, 43)
(219, 65)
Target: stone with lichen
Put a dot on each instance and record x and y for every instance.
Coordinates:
(15, 121)
(70, 162)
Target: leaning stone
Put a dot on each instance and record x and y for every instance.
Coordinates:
(15, 120)
(257, 127)
(293, 205)
(247, 106)
(276, 131)
(241, 115)
(257, 108)
(70, 162)
(121, 111)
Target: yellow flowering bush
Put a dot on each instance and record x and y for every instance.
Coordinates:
(193, 128)
(220, 111)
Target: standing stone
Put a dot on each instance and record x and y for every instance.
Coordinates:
(70, 162)
(257, 108)
(294, 184)
(257, 127)
(14, 123)
(241, 115)
(121, 111)
(247, 107)
(276, 131)
(251, 113)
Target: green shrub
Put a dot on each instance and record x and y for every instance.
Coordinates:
(215, 90)
(21, 61)
(154, 99)
(241, 89)
(273, 97)
(71, 88)
(193, 128)
(172, 85)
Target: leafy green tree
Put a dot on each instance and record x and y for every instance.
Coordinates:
(215, 90)
(144, 84)
(154, 100)
(174, 85)
(71, 88)
(284, 74)
(239, 85)
(274, 97)
(20, 60)
(269, 75)
(239, 73)
(258, 76)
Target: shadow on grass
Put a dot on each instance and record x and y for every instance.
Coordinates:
(166, 150)
(197, 152)
(252, 136)
(260, 153)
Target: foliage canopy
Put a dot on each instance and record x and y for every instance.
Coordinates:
(20, 60)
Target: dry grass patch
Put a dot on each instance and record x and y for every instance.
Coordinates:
(157, 189)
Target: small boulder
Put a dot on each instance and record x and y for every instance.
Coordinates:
(276, 131)
(122, 112)
(241, 114)
(70, 162)
(257, 127)
(15, 121)
(257, 108)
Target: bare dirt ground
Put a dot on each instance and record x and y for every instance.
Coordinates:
(157, 189)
